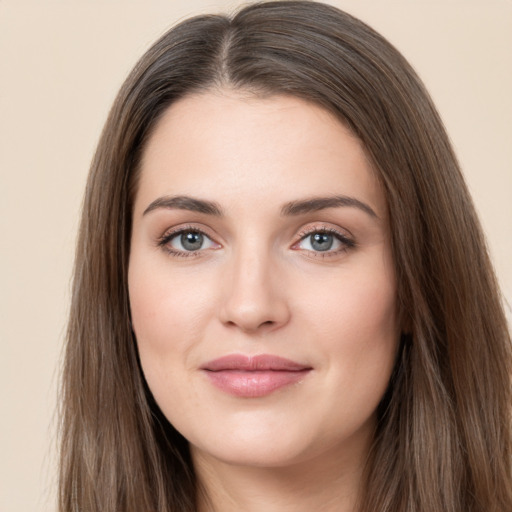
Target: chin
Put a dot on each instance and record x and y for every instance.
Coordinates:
(263, 445)
(258, 455)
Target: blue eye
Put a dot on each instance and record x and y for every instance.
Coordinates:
(191, 240)
(186, 242)
(330, 242)
(321, 241)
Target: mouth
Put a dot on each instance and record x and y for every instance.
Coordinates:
(254, 376)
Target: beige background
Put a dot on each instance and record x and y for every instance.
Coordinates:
(61, 64)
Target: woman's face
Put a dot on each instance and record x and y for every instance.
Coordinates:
(261, 281)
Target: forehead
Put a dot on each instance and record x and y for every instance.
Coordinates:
(234, 147)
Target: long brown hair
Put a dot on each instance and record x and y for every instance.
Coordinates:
(443, 440)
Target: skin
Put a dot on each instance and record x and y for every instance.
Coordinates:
(258, 285)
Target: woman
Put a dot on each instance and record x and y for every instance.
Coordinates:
(282, 296)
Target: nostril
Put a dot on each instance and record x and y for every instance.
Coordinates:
(250, 307)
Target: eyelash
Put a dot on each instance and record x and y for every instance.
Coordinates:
(347, 243)
(163, 242)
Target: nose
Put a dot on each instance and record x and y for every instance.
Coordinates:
(254, 298)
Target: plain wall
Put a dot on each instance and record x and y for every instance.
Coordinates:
(61, 64)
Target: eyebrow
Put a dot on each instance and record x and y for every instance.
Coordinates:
(321, 203)
(185, 203)
(292, 208)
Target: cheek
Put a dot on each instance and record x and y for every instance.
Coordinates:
(167, 324)
(356, 329)
(359, 304)
(167, 318)
(165, 306)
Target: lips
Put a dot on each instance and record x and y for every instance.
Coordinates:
(253, 376)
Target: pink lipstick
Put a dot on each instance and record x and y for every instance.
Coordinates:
(253, 376)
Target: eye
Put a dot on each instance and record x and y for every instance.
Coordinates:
(187, 242)
(324, 240)
(319, 242)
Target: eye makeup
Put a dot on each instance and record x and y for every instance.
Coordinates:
(323, 239)
(315, 241)
(187, 235)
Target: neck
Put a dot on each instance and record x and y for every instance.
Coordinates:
(330, 486)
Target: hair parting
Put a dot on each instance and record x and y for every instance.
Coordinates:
(443, 440)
